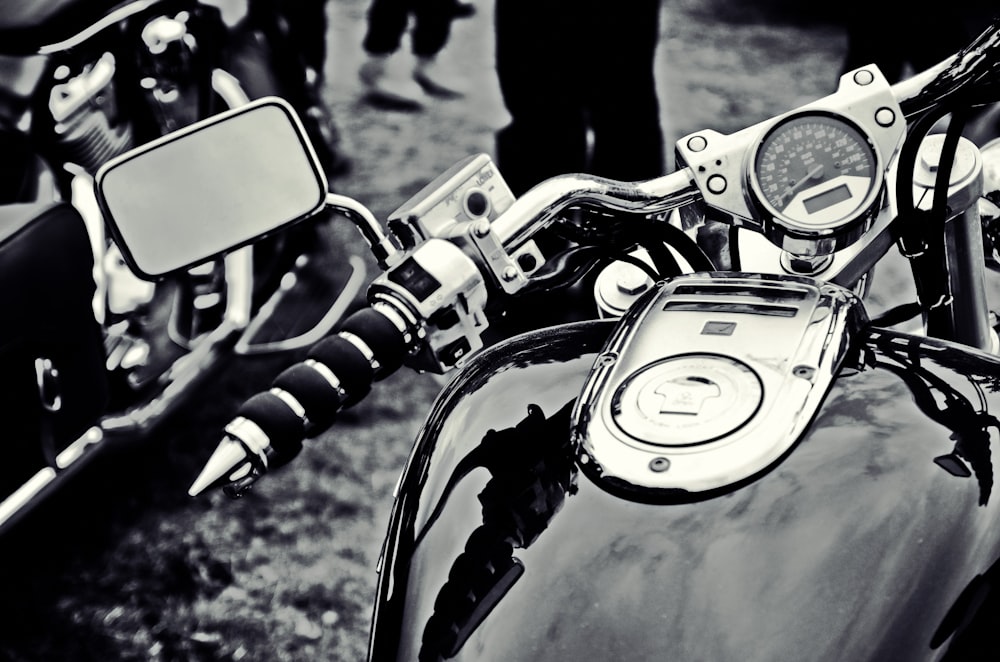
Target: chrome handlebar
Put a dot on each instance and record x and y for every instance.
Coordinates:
(543, 203)
(970, 77)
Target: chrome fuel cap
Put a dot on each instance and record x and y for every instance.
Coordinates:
(687, 400)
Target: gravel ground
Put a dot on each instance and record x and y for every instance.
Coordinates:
(126, 567)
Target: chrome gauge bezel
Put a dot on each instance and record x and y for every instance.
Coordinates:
(837, 227)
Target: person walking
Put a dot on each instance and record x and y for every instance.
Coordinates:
(282, 48)
(577, 79)
(388, 20)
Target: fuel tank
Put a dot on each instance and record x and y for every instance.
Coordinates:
(871, 535)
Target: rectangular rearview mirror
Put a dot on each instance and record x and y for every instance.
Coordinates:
(211, 187)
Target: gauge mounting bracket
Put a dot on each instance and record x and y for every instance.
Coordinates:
(723, 165)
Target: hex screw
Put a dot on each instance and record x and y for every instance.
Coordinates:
(804, 371)
(659, 464)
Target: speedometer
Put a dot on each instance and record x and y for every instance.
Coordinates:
(815, 173)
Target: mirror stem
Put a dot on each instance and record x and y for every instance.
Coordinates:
(386, 253)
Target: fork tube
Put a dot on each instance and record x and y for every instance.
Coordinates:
(966, 269)
(962, 314)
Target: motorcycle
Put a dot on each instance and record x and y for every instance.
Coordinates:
(94, 355)
(753, 449)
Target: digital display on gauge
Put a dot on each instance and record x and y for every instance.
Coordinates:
(823, 200)
(815, 171)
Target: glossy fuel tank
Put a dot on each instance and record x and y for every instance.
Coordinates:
(876, 537)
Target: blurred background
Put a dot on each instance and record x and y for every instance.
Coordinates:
(125, 566)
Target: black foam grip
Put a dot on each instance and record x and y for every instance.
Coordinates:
(283, 427)
(287, 453)
(347, 362)
(317, 396)
(385, 340)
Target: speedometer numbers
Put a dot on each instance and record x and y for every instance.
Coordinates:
(815, 172)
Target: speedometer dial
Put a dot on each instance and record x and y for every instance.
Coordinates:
(815, 172)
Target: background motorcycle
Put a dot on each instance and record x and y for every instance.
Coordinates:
(93, 353)
(687, 537)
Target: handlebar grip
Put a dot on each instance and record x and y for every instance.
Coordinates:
(319, 395)
(349, 363)
(304, 399)
(386, 340)
(280, 422)
(337, 373)
(273, 415)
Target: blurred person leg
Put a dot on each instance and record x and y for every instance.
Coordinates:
(622, 103)
(295, 35)
(569, 69)
(431, 30)
(307, 29)
(551, 64)
(902, 39)
(870, 41)
(384, 82)
(540, 81)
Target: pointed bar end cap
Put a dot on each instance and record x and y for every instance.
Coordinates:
(229, 456)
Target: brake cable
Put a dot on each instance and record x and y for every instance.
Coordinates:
(920, 232)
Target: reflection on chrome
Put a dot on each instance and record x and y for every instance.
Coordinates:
(530, 479)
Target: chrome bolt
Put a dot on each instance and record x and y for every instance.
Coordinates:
(659, 464)
(804, 371)
(605, 360)
(631, 279)
(697, 143)
(864, 77)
